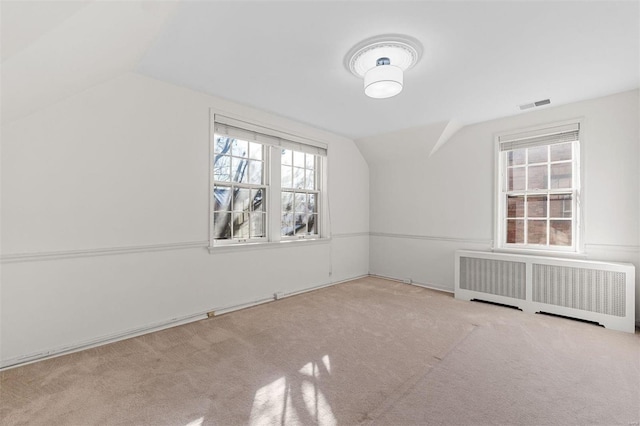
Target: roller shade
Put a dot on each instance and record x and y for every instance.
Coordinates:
(551, 135)
(251, 132)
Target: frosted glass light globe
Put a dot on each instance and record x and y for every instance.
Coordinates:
(383, 81)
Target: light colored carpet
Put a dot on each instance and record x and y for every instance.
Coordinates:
(367, 351)
(534, 374)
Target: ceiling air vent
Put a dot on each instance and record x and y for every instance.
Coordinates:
(535, 104)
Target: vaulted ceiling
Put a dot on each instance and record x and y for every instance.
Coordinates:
(481, 58)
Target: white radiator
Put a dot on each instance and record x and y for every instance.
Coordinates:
(589, 290)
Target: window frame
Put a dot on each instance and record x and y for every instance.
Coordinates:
(501, 193)
(232, 185)
(317, 191)
(272, 141)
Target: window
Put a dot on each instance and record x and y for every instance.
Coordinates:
(266, 185)
(300, 194)
(538, 187)
(238, 189)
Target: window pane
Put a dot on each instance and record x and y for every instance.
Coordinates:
(537, 177)
(287, 225)
(240, 225)
(222, 145)
(301, 223)
(255, 172)
(301, 209)
(561, 175)
(257, 225)
(560, 205)
(538, 154)
(300, 203)
(298, 159)
(286, 176)
(311, 203)
(561, 151)
(310, 181)
(537, 232)
(255, 151)
(257, 200)
(221, 198)
(222, 168)
(221, 225)
(241, 199)
(240, 148)
(537, 206)
(515, 178)
(560, 233)
(516, 157)
(286, 157)
(287, 213)
(312, 226)
(311, 161)
(515, 231)
(239, 170)
(515, 206)
(298, 178)
(287, 201)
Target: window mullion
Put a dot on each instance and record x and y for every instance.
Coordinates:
(274, 212)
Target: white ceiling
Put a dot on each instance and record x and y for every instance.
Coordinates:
(481, 58)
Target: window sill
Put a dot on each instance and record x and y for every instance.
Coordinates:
(547, 253)
(231, 248)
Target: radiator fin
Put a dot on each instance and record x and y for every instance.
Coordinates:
(591, 290)
(499, 277)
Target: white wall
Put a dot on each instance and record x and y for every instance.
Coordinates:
(105, 200)
(424, 208)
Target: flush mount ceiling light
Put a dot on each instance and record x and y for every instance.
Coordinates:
(381, 61)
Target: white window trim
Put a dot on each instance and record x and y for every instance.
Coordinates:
(318, 170)
(578, 248)
(266, 155)
(278, 137)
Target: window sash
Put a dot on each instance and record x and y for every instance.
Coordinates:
(547, 218)
(292, 168)
(315, 213)
(233, 211)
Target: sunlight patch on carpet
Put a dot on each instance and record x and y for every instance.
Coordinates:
(296, 398)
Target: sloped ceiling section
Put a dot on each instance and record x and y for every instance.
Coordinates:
(52, 50)
(416, 142)
(23, 22)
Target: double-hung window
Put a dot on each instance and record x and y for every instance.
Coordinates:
(300, 193)
(266, 185)
(239, 189)
(539, 189)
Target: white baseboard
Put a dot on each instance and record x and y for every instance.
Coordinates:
(103, 340)
(415, 283)
(116, 337)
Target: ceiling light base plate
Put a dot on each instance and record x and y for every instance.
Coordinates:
(401, 51)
